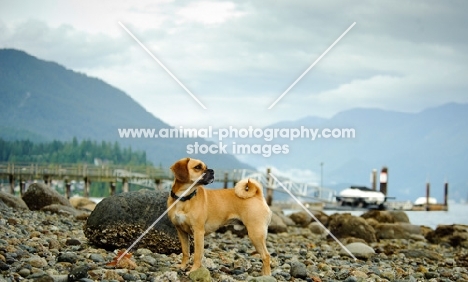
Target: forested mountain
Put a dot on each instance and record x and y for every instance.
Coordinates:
(44, 101)
(64, 152)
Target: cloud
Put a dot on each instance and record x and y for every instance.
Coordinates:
(65, 45)
(238, 57)
(208, 12)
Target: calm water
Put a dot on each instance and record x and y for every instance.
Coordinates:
(457, 214)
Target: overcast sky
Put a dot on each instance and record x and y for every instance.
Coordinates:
(238, 57)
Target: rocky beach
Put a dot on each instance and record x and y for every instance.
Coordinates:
(45, 237)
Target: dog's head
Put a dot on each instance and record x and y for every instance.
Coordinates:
(189, 170)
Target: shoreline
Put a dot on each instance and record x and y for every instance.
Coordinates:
(42, 244)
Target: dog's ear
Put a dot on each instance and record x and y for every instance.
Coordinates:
(180, 170)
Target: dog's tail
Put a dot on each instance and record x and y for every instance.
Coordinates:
(247, 188)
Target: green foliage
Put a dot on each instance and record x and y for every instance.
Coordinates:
(63, 152)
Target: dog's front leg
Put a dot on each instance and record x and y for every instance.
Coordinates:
(185, 244)
(199, 237)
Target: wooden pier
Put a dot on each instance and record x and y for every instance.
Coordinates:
(145, 176)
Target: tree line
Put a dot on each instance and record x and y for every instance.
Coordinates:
(70, 152)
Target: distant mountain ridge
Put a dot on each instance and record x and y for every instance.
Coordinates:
(431, 145)
(43, 101)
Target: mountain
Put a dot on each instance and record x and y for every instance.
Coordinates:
(416, 147)
(43, 101)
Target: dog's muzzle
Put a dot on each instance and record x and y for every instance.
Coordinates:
(207, 178)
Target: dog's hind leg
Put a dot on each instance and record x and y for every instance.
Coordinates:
(185, 244)
(258, 236)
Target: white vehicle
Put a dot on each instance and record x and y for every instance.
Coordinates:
(360, 196)
(423, 200)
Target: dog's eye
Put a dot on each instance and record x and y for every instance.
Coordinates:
(198, 167)
(247, 188)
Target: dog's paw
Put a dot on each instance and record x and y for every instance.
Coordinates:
(193, 268)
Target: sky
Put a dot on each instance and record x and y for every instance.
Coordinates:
(238, 57)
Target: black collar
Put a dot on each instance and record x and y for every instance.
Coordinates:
(183, 199)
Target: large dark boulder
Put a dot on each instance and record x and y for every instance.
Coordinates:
(40, 195)
(346, 225)
(455, 235)
(400, 216)
(302, 218)
(276, 224)
(396, 230)
(117, 221)
(380, 216)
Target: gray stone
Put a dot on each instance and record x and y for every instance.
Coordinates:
(359, 250)
(243, 264)
(78, 272)
(422, 254)
(298, 270)
(262, 279)
(277, 225)
(347, 225)
(117, 221)
(128, 277)
(400, 216)
(24, 272)
(379, 216)
(12, 201)
(67, 257)
(396, 230)
(351, 279)
(37, 261)
(96, 258)
(286, 220)
(301, 218)
(317, 229)
(61, 209)
(430, 275)
(149, 260)
(40, 195)
(455, 235)
(200, 275)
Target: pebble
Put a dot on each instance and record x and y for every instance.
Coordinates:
(298, 270)
(41, 246)
(67, 257)
(96, 258)
(24, 272)
(36, 261)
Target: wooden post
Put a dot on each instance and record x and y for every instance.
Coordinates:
(374, 179)
(157, 182)
(125, 185)
(86, 187)
(11, 179)
(226, 176)
(384, 180)
(67, 189)
(269, 197)
(22, 186)
(428, 192)
(446, 186)
(46, 180)
(112, 188)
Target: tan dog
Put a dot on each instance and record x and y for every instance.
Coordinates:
(202, 211)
